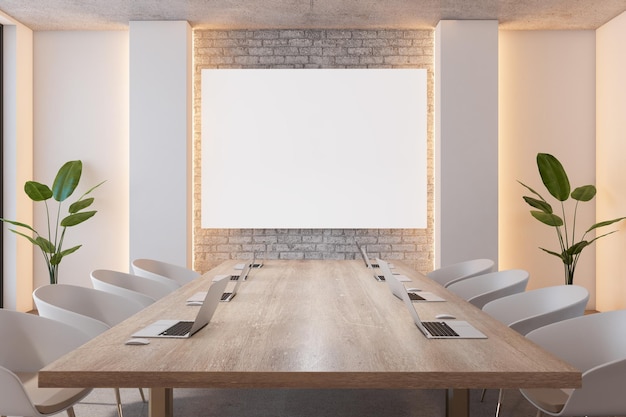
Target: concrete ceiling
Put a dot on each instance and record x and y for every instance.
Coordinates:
(313, 14)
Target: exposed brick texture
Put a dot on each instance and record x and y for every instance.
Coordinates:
(311, 49)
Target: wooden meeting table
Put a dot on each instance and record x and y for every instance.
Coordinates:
(311, 324)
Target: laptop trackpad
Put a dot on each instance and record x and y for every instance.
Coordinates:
(155, 328)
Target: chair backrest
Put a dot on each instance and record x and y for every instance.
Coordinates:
(14, 400)
(591, 344)
(449, 274)
(143, 290)
(88, 309)
(34, 343)
(529, 310)
(481, 289)
(159, 270)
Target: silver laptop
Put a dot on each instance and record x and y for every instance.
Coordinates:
(378, 276)
(255, 263)
(366, 258)
(442, 329)
(229, 295)
(397, 288)
(245, 267)
(198, 298)
(181, 329)
(368, 264)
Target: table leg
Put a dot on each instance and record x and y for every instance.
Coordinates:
(457, 402)
(161, 402)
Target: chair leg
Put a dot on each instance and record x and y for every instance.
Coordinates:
(118, 400)
(500, 398)
(482, 395)
(143, 397)
(70, 412)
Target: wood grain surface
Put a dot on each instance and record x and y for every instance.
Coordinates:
(311, 324)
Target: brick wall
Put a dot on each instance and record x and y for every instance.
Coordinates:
(312, 49)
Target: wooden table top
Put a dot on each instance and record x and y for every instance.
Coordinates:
(311, 324)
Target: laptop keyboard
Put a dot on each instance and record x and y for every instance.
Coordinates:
(439, 328)
(179, 329)
(415, 297)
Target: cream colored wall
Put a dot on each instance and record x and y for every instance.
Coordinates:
(81, 112)
(546, 104)
(611, 161)
(17, 164)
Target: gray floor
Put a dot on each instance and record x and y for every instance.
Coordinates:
(302, 403)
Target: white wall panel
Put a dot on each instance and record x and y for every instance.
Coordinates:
(466, 141)
(160, 138)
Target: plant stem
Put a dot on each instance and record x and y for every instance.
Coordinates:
(564, 226)
(56, 234)
(48, 218)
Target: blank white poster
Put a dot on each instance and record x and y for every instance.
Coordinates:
(317, 148)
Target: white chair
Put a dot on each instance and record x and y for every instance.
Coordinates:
(481, 289)
(30, 343)
(87, 309)
(449, 274)
(595, 344)
(143, 290)
(162, 271)
(530, 310)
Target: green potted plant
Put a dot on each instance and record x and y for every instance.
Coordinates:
(555, 179)
(65, 183)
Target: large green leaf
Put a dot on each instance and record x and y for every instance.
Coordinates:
(577, 247)
(77, 218)
(57, 257)
(30, 239)
(37, 191)
(14, 223)
(553, 176)
(539, 204)
(70, 250)
(605, 223)
(598, 237)
(81, 204)
(93, 188)
(532, 191)
(547, 218)
(45, 244)
(558, 255)
(67, 180)
(584, 193)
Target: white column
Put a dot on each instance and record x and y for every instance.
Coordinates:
(466, 141)
(160, 141)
